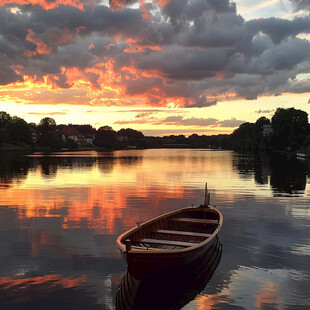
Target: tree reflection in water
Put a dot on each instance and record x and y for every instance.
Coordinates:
(12, 167)
(287, 174)
(292, 179)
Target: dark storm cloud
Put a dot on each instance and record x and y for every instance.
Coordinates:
(44, 41)
(284, 56)
(226, 30)
(278, 29)
(178, 10)
(7, 75)
(177, 62)
(134, 88)
(301, 4)
(66, 18)
(202, 102)
(191, 49)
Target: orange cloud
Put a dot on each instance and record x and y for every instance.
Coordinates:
(161, 3)
(117, 4)
(47, 113)
(41, 48)
(220, 76)
(141, 48)
(86, 53)
(47, 5)
(101, 84)
(145, 12)
(130, 69)
(54, 38)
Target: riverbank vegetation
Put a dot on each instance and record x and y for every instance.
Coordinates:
(287, 131)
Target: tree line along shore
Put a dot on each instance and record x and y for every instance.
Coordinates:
(288, 130)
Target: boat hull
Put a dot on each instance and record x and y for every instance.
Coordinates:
(140, 264)
(182, 236)
(176, 286)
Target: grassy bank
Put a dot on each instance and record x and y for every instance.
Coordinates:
(15, 147)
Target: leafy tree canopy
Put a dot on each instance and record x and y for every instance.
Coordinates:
(5, 118)
(18, 130)
(105, 128)
(105, 137)
(131, 133)
(244, 130)
(47, 122)
(289, 127)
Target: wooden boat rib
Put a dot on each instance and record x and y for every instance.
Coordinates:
(174, 238)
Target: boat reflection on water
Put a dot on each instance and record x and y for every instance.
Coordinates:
(170, 289)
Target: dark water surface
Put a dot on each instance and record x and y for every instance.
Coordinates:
(60, 216)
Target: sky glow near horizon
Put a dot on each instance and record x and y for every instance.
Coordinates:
(160, 66)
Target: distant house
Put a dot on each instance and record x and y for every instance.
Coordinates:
(88, 134)
(71, 133)
(267, 129)
(87, 139)
(83, 137)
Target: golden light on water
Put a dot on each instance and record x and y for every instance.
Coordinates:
(268, 294)
(55, 278)
(94, 194)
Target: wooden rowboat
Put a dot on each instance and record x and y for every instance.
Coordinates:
(176, 286)
(173, 239)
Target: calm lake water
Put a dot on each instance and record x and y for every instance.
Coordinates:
(60, 217)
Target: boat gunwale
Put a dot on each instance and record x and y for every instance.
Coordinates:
(121, 238)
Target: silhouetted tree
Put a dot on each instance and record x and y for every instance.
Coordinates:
(242, 138)
(289, 128)
(260, 142)
(3, 135)
(13, 129)
(18, 131)
(48, 134)
(133, 137)
(105, 137)
(47, 122)
(5, 119)
(194, 140)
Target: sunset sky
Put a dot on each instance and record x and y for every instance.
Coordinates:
(158, 66)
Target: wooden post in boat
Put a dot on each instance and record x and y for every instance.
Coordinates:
(207, 196)
(128, 245)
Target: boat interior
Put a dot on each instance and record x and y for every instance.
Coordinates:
(178, 231)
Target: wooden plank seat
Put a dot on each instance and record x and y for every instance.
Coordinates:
(183, 233)
(146, 248)
(193, 220)
(168, 242)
